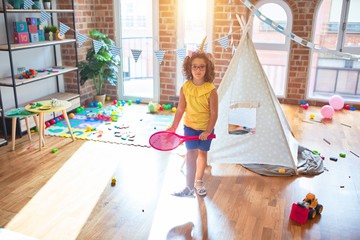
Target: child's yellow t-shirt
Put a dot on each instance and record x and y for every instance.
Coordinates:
(197, 112)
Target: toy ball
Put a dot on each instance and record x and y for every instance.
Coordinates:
(347, 107)
(115, 102)
(88, 128)
(91, 104)
(281, 170)
(152, 107)
(113, 181)
(47, 124)
(137, 101)
(312, 116)
(54, 150)
(71, 115)
(99, 105)
(173, 109)
(96, 104)
(52, 121)
(57, 119)
(327, 111)
(130, 102)
(123, 102)
(352, 108)
(337, 102)
(108, 98)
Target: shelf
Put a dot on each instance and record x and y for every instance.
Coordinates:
(38, 10)
(7, 81)
(14, 47)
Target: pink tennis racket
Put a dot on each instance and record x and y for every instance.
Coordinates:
(166, 141)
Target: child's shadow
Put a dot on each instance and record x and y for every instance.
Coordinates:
(181, 232)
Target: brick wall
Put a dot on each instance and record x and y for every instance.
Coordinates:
(89, 14)
(96, 14)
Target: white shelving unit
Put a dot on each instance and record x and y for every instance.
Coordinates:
(13, 80)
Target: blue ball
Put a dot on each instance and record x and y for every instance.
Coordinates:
(137, 101)
(91, 104)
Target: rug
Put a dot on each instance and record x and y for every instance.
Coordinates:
(133, 126)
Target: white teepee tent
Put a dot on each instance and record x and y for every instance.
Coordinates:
(262, 140)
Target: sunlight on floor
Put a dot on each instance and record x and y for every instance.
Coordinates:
(61, 208)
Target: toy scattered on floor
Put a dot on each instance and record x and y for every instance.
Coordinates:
(138, 101)
(152, 107)
(312, 116)
(113, 182)
(108, 98)
(173, 109)
(130, 102)
(54, 150)
(71, 115)
(307, 209)
(337, 102)
(343, 155)
(79, 109)
(327, 111)
(281, 170)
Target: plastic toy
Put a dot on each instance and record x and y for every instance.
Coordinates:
(137, 101)
(71, 115)
(54, 150)
(307, 209)
(152, 107)
(108, 98)
(312, 116)
(337, 102)
(113, 182)
(173, 109)
(327, 111)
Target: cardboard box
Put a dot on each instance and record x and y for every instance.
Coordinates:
(34, 37)
(20, 27)
(21, 37)
(33, 29)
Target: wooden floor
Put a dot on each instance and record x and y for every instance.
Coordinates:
(68, 194)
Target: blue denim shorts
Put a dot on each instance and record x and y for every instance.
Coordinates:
(203, 145)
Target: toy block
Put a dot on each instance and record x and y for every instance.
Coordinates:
(34, 37)
(33, 29)
(20, 27)
(21, 37)
(31, 21)
(41, 35)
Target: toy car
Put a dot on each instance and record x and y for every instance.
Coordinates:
(307, 209)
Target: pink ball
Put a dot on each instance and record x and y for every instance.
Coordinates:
(336, 102)
(327, 111)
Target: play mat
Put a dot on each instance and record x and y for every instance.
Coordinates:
(129, 126)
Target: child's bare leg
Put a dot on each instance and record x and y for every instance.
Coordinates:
(191, 157)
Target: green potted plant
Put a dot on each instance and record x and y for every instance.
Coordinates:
(50, 32)
(47, 4)
(101, 66)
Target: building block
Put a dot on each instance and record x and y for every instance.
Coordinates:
(20, 27)
(21, 37)
(32, 21)
(41, 35)
(33, 29)
(34, 37)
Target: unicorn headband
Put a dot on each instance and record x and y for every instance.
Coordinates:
(201, 49)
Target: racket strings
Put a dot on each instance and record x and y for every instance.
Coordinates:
(165, 141)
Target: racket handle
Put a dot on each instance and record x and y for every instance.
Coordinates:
(187, 138)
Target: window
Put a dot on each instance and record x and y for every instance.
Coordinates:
(337, 27)
(136, 27)
(271, 46)
(194, 23)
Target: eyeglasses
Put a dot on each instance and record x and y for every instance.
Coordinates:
(201, 67)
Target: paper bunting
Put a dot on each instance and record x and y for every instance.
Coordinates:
(181, 53)
(97, 45)
(63, 28)
(224, 41)
(44, 16)
(160, 55)
(136, 54)
(233, 50)
(115, 51)
(28, 4)
(81, 39)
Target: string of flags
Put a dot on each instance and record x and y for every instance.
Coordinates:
(277, 27)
